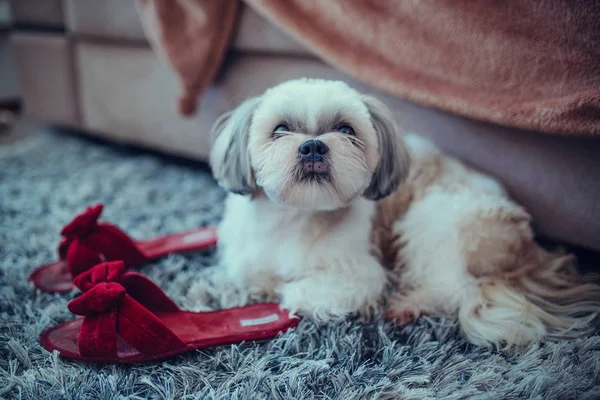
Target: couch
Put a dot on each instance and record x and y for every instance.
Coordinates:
(87, 65)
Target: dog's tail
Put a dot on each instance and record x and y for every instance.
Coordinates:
(548, 301)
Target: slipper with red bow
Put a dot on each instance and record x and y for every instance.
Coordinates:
(128, 319)
(87, 242)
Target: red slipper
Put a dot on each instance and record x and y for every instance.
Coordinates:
(87, 242)
(128, 319)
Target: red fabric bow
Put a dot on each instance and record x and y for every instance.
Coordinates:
(101, 289)
(101, 298)
(105, 272)
(109, 311)
(99, 303)
(87, 243)
(83, 223)
(80, 257)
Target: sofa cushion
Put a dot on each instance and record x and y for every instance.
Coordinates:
(46, 77)
(9, 82)
(118, 19)
(115, 19)
(124, 92)
(43, 13)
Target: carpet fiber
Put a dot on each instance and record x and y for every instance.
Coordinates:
(46, 179)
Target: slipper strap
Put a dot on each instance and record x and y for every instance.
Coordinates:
(144, 330)
(109, 312)
(147, 293)
(87, 242)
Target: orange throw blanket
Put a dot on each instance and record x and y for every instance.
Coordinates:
(530, 64)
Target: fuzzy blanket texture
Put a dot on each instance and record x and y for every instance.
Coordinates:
(46, 179)
(529, 64)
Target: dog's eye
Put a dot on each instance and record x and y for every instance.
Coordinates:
(345, 129)
(281, 128)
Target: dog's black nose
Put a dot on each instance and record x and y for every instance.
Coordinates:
(313, 150)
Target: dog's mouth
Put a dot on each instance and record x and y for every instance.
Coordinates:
(314, 171)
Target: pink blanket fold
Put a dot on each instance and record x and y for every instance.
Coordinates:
(530, 64)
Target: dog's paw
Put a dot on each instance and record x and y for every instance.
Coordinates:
(404, 312)
(314, 299)
(403, 316)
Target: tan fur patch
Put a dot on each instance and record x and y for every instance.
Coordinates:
(495, 248)
(386, 242)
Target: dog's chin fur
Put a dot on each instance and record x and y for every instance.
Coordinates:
(459, 246)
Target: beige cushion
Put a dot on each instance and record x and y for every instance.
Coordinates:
(127, 94)
(46, 77)
(37, 12)
(118, 19)
(9, 82)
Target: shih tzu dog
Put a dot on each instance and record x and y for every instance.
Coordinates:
(329, 204)
(459, 246)
(304, 163)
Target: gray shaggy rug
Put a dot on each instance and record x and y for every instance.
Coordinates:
(46, 179)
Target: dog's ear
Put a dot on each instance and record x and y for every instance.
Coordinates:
(230, 156)
(394, 161)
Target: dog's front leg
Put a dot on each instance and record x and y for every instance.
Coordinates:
(331, 296)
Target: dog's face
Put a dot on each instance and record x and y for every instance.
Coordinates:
(312, 144)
